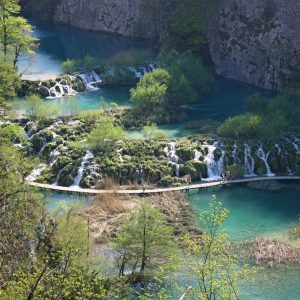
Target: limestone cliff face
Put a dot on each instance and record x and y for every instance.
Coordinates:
(137, 18)
(256, 41)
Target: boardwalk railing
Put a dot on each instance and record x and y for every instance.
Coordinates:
(162, 190)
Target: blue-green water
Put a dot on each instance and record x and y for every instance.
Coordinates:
(60, 42)
(254, 213)
(54, 200)
(85, 101)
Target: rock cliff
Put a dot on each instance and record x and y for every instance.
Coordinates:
(256, 41)
(137, 18)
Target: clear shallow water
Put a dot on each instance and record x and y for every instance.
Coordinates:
(252, 212)
(54, 200)
(255, 213)
(88, 100)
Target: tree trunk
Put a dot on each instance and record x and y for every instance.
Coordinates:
(143, 265)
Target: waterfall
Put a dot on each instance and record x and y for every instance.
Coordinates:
(284, 157)
(214, 168)
(198, 154)
(170, 150)
(296, 143)
(57, 177)
(119, 152)
(277, 146)
(236, 160)
(264, 157)
(137, 73)
(88, 156)
(43, 146)
(60, 89)
(141, 71)
(249, 161)
(36, 172)
(54, 155)
(90, 79)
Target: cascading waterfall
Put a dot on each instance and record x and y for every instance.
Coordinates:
(288, 169)
(137, 73)
(88, 156)
(284, 158)
(236, 160)
(141, 71)
(249, 161)
(264, 157)
(57, 177)
(54, 155)
(90, 79)
(60, 89)
(36, 172)
(214, 168)
(277, 146)
(296, 144)
(43, 146)
(198, 154)
(170, 150)
(120, 151)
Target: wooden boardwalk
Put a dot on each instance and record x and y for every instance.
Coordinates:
(199, 186)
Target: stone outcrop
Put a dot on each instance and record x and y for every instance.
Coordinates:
(256, 41)
(135, 18)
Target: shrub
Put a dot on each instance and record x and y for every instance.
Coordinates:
(237, 172)
(241, 126)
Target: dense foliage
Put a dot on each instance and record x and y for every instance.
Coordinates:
(144, 242)
(188, 25)
(105, 134)
(266, 118)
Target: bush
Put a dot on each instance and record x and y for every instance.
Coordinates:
(242, 126)
(69, 66)
(237, 172)
(150, 94)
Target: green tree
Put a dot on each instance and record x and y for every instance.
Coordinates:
(19, 207)
(242, 126)
(152, 132)
(61, 268)
(188, 24)
(150, 95)
(69, 66)
(190, 80)
(15, 32)
(9, 81)
(211, 261)
(144, 242)
(38, 109)
(105, 134)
